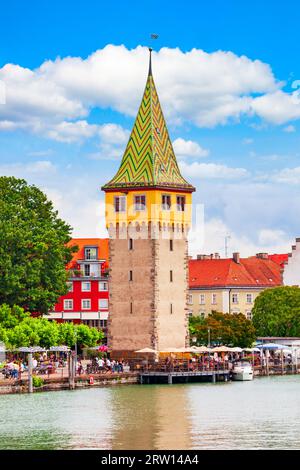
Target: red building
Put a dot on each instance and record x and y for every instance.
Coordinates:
(87, 299)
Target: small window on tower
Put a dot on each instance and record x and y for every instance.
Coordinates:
(171, 276)
(120, 203)
(130, 244)
(180, 203)
(166, 202)
(140, 203)
(171, 245)
(130, 276)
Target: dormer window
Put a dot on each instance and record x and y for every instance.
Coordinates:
(90, 253)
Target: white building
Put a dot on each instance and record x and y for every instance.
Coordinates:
(291, 274)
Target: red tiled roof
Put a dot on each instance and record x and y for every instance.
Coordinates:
(249, 272)
(279, 259)
(101, 243)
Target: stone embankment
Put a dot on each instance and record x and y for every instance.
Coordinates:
(8, 386)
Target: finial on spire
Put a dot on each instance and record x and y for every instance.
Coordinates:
(150, 62)
(153, 36)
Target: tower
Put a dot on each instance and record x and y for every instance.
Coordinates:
(148, 214)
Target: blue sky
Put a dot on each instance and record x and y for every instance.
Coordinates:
(232, 107)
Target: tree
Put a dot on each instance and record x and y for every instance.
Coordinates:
(33, 251)
(18, 328)
(225, 328)
(276, 312)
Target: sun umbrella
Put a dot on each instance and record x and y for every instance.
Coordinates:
(171, 350)
(236, 349)
(203, 349)
(221, 349)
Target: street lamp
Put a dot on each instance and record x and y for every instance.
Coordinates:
(194, 339)
(208, 335)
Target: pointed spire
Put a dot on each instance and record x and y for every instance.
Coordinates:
(149, 159)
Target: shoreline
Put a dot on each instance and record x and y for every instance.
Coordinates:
(52, 384)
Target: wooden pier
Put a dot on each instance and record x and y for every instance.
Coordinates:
(169, 377)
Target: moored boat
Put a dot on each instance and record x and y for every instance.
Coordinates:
(242, 371)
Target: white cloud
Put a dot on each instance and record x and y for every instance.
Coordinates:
(289, 128)
(20, 170)
(71, 131)
(287, 176)
(113, 134)
(188, 148)
(248, 141)
(203, 88)
(277, 107)
(211, 170)
(213, 240)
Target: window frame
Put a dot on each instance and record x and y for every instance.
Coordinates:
(86, 290)
(103, 308)
(102, 290)
(86, 308)
(120, 205)
(72, 303)
(138, 206)
(179, 206)
(164, 204)
(88, 248)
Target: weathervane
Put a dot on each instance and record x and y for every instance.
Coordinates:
(152, 36)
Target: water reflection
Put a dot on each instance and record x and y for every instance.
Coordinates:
(152, 417)
(263, 414)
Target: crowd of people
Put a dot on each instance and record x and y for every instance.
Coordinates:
(15, 365)
(101, 365)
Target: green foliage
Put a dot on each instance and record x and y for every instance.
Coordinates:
(33, 251)
(225, 328)
(37, 381)
(276, 312)
(19, 329)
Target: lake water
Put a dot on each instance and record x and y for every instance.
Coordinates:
(263, 414)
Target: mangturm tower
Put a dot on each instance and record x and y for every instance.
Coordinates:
(148, 214)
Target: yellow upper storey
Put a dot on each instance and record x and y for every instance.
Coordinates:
(166, 207)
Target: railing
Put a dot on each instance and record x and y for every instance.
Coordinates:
(182, 366)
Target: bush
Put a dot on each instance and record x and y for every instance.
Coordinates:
(37, 381)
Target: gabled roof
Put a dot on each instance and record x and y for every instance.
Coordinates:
(279, 258)
(149, 159)
(249, 272)
(100, 243)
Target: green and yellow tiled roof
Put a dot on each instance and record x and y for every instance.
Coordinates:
(149, 159)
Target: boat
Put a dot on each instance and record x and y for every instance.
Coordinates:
(242, 371)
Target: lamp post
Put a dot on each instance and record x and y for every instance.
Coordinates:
(208, 337)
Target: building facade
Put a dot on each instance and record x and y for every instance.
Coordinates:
(148, 213)
(87, 299)
(229, 285)
(291, 273)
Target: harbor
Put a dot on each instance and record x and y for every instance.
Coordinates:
(262, 414)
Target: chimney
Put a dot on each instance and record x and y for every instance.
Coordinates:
(217, 256)
(236, 257)
(262, 255)
(212, 256)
